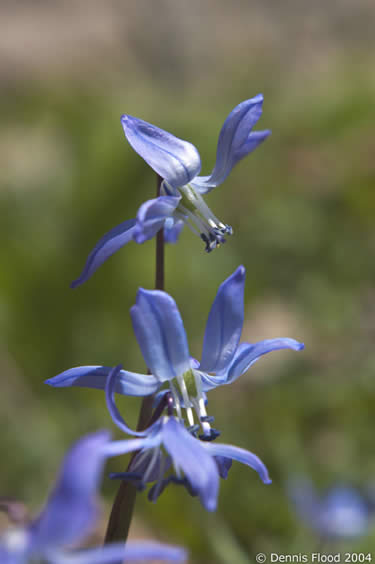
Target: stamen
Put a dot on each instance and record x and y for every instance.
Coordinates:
(185, 397)
(193, 429)
(214, 433)
(176, 400)
(208, 419)
(196, 212)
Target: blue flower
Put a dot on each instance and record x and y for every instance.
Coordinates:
(162, 339)
(71, 512)
(341, 513)
(168, 443)
(178, 164)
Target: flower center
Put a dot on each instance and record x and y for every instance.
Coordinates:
(188, 394)
(194, 211)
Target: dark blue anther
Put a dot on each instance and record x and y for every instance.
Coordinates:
(211, 437)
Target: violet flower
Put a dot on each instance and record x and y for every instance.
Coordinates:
(181, 202)
(341, 513)
(168, 443)
(71, 512)
(162, 339)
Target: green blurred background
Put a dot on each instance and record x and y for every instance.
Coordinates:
(302, 208)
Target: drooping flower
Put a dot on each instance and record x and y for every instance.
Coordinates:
(162, 339)
(343, 512)
(166, 444)
(178, 164)
(70, 513)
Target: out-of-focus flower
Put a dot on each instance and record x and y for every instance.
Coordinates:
(341, 513)
(70, 513)
(181, 202)
(168, 443)
(162, 339)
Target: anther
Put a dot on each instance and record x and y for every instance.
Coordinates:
(214, 433)
(193, 429)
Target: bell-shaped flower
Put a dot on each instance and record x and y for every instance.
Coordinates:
(181, 201)
(71, 512)
(162, 339)
(343, 512)
(168, 445)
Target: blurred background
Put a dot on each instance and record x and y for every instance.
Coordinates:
(302, 208)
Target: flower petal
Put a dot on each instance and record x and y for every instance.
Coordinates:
(131, 552)
(71, 510)
(248, 353)
(241, 455)
(160, 334)
(188, 454)
(11, 556)
(151, 216)
(172, 230)
(117, 448)
(175, 160)
(235, 142)
(112, 407)
(223, 465)
(224, 324)
(105, 248)
(127, 383)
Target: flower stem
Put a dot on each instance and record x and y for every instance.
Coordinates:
(123, 506)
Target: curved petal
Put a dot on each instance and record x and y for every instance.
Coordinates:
(160, 334)
(105, 248)
(71, 509)
(210, 382)
(172, 230)
(175, 160)
(117, 553)
(235, 142)
(198, 466)
(223, 465)
(127, 383)
(224, 324)
(241, 455)
(151, 216)
(250, 353)
(112, 407)
(117, 448)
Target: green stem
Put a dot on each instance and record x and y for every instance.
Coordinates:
(123, 506)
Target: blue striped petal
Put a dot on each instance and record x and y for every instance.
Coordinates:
(175, 160)
(235, 142)
(127, 383)
(224, 324)
(160, 334)
(111, 242)
(241, 455)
